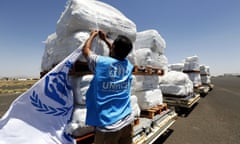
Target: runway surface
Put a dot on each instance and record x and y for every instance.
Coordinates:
(214, 120)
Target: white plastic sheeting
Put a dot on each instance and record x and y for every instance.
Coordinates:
(135, 107)
(176, 83)
(149, 98)
(146, 82)
(204, 69)
(192, 68)
(205, 74)
(73, 29)
(91, 14)
(150, 39)
(57, 48)
(176, 67)
(80, 86)
(77, 126)
(149, 48)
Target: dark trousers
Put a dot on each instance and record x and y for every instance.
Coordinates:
(123, 136)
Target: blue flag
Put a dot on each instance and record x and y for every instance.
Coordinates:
(39, 115)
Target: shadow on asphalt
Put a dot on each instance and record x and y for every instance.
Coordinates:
(184, 112)
(163, 137)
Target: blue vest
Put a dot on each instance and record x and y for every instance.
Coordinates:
(108, 97)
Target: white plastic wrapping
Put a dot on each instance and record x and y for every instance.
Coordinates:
(176, 83)
(146, 82)
(175, 77)
(77, 126)
(195, 78)
(80, 86)
(176, 67)
(145, 57)
(91, 14)
(57, 48)
(204, 69)
(177, 90)
(206, 79)
(192, 64)
(149, 98)
(135, 107)
(150, 39)
(192, 59)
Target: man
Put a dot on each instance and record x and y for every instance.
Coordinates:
(108, 97)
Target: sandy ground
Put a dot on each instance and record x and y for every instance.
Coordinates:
(214, 120)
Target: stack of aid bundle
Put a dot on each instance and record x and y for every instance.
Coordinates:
(176, 84)
(205, 74)
(176, 67)
(192, 69)
(149, 50)
(73, 29)
(76, 22)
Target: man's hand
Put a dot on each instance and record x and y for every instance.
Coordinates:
(94, 33)
(102, 35)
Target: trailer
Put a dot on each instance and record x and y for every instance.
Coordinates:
(146, 129)
(185, 102)
(151, 123)
(204, 89)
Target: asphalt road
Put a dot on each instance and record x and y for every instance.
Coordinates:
(214, 120)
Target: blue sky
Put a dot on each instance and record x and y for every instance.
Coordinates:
(209, 29)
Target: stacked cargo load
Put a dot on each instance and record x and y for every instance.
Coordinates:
(177, 89)
(206, 76)
(192, 69)
(176, 67)
(73, 29)
(151, 64)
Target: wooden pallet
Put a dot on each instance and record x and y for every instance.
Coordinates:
(136, 121)
(86, 139)
(187, 102)
(191, 71)
(81, 69)
(148, 70)
(150, 113)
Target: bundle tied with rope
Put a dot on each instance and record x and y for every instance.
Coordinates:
(74, 26)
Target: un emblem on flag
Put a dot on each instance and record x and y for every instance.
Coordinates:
(56, 88)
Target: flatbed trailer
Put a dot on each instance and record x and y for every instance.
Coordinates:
(204, 89)
(185, 102)
(146, 130)
(182, 106)
(150, 125)
(211, 86)
(158, 126)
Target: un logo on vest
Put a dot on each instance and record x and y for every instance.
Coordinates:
(116, 71)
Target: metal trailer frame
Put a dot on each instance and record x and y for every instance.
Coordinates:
(187, 102)
(158, 128)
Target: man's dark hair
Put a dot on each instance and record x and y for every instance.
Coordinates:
(122, 46)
